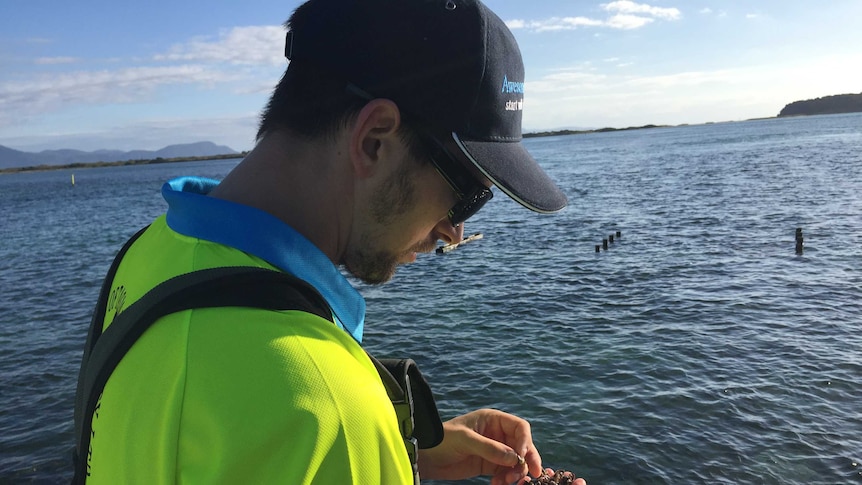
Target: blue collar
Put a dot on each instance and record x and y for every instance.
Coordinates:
(261, 234)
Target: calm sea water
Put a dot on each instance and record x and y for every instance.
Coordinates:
(699, 348)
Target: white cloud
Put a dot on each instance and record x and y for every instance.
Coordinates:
(236, 132)
(631, 8)
(554, 24)
(244, 61)
(683, 79)
(625, 15)
(585, 80)
(55, 60)
(582, 96)
(563, 81)
(628, 22)
(516, 24)
(615, 98)
(260, 45)
(706, 10)
(57, 91)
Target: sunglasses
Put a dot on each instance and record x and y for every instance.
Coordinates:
(472, 195)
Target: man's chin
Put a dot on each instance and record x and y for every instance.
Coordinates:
(381, 269)
(372, 276)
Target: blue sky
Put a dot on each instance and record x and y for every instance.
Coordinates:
(142, 75)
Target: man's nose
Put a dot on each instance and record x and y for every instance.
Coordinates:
(444, 231)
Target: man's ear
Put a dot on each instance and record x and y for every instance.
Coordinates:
(372, 136)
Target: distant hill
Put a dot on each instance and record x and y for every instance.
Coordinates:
(10, 158)
(840, 103)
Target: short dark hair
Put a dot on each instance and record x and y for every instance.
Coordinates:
(310, 101)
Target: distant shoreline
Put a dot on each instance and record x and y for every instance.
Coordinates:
(630, 128)
(586, 132)
(538, 134)
(85, 165)
(647, 127)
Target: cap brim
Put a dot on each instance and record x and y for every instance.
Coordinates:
(510, 167)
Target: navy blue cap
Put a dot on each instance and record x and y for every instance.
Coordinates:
(453, 64)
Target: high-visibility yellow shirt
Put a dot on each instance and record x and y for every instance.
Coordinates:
(240, 395)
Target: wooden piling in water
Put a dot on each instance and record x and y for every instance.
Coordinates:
(800, 244)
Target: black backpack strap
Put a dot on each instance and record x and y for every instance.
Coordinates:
(93, 334)
(411, 383)
(414, 405)
(217, 287)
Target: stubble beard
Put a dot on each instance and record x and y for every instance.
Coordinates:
(396, 197)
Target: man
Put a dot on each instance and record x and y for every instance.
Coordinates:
(385, 134)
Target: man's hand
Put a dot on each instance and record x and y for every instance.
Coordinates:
(483, 442)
